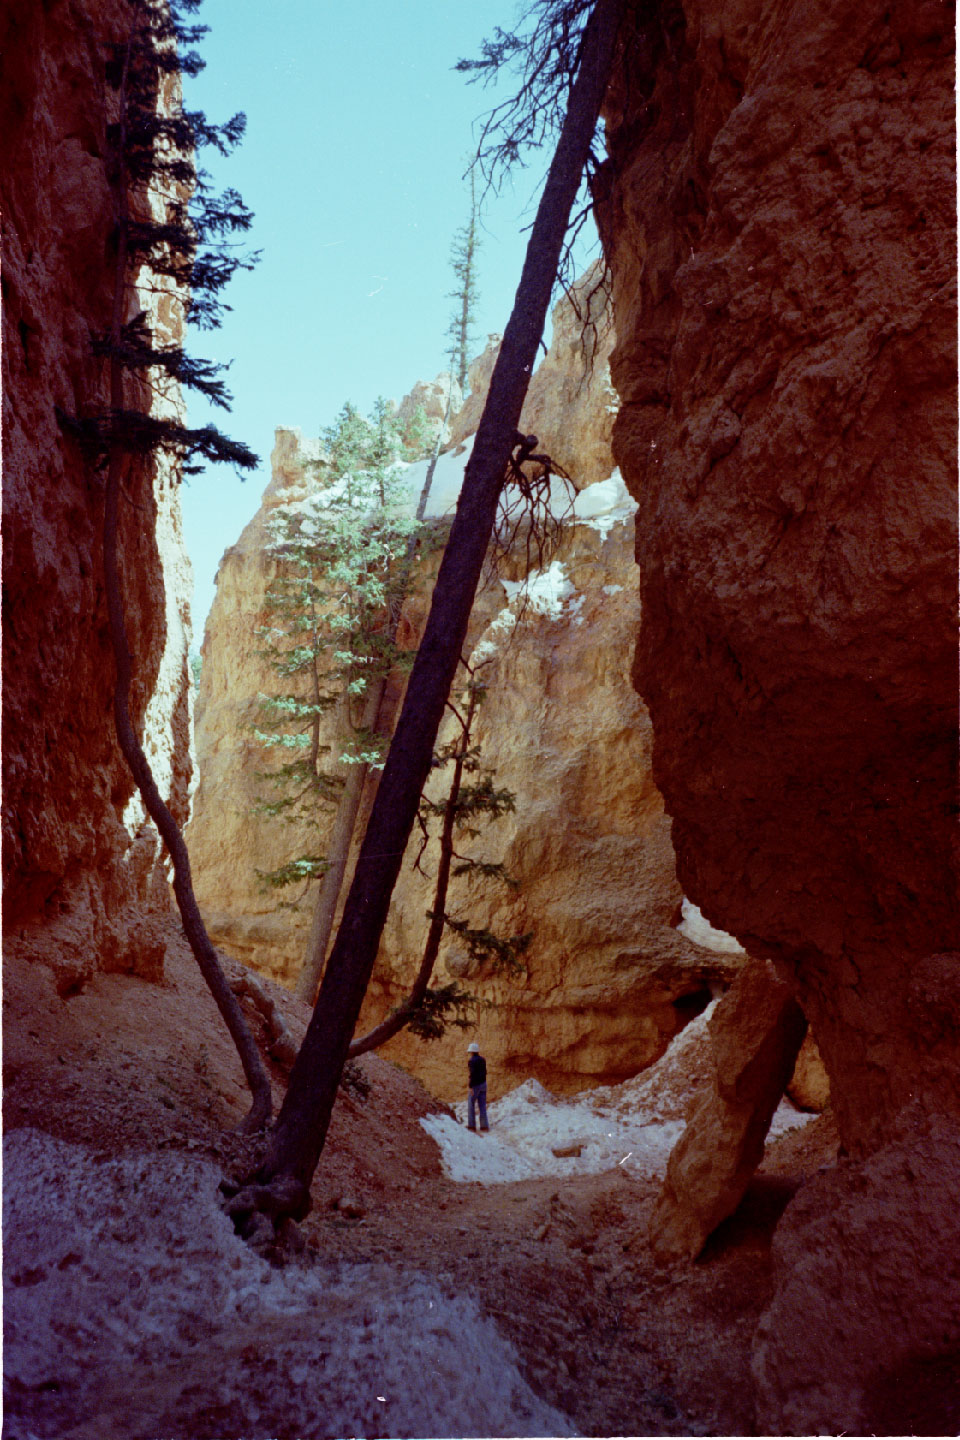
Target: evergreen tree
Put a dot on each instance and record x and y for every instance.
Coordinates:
(463, 261)
(172, 241)
(345, 560)
(345, 557)
(282, 1183)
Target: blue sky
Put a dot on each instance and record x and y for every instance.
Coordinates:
(358, 135)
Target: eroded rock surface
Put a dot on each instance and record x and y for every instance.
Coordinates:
(755, 1035)
(863, 1335)
(779, 217)
(779, 220)
(83, 889)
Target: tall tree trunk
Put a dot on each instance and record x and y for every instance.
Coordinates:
(338, 850)
(130, 746)
(395, 1022)
(300, 1131)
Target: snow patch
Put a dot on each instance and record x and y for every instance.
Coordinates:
(633, 1126)
(574, 607)
(530, 1124)
(604, 505)
(447, 480)
(543, 591)
(698, 929)
(128, 1297)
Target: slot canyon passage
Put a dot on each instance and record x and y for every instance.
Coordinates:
(719, 1194)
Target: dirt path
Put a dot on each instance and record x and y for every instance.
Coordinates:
(562, 1266)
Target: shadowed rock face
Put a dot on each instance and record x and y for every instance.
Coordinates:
(778, 215)
(82, 887)
(778, 212)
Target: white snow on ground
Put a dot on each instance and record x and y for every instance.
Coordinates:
(633, 1126)
(131, 1307)
(698, 929)
(530, 1123)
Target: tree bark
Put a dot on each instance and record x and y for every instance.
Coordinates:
(338, 852)
(300, 1131)
(392, 1024)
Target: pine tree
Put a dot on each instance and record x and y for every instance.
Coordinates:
(463, 261)
(172, 242)
(346, 557)
(282, 1184)
(344, 562)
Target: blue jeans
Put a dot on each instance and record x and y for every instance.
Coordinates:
(478, 1098)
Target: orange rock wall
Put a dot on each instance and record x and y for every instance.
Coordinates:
(610, 976)
(82, 888)
(778, 212)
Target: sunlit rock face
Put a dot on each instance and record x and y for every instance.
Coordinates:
(610, 978)
(227, 846)
(83, 889)
(435, 401)
(778, 215)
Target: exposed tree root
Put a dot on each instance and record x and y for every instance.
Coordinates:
(281, 1045)
(265, 1216)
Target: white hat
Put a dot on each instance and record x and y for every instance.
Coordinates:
(473, 1046)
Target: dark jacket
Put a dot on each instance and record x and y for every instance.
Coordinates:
(477, 1068)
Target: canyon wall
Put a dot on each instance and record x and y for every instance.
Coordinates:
(784, 277)
(83, 886)
(778, 212)
(610, 978)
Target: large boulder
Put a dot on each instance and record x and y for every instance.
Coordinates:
(863, 1336)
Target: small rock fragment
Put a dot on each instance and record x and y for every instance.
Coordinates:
(350, 1207)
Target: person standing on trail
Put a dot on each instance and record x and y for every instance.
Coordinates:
(477, 1076)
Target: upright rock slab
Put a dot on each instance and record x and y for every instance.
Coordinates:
(755, 1036)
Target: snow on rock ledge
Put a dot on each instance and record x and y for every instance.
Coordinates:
(698, 929)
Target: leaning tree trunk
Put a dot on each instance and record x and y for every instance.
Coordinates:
(399, 1018)
(130, 746)
(298, 1136)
